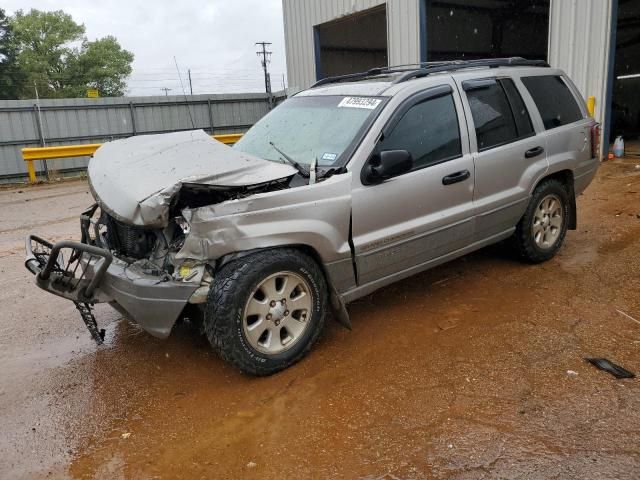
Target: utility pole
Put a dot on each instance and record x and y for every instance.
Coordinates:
(190, 85)
(41, 129)
(166, 91)
(266, 58)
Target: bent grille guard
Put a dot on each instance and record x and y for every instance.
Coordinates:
(66, 279)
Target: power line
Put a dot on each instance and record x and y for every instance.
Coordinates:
(184, 93)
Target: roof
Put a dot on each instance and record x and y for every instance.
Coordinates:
(367, 87)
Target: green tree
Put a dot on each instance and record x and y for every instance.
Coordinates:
(103, 65)
(54, 53)
(44, 43)
(10, 76)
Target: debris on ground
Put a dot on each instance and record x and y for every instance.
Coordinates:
(627, 315)
(610, 367)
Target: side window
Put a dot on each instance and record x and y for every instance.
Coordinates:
(429, 131)
(498, 111)
(518, 108)
(555, 102)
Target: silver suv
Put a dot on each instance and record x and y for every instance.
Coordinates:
(353, 184)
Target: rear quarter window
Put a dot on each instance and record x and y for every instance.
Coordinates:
(555, 102)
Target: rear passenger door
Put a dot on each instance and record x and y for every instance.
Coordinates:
(508, 155)
(567, 126)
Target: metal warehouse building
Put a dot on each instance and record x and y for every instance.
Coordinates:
(597, 42)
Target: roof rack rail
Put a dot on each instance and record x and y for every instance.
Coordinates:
(427, 68)
(460, 64)
(374, 72)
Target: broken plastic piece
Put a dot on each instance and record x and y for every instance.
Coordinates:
(608, 366)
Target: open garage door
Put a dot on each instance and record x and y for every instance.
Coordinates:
(626, 86)
(354, 43)
(472, 29)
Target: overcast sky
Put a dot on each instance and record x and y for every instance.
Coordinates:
(215, 39)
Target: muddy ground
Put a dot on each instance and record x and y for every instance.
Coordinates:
(472, 370)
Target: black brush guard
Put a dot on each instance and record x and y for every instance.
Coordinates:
(69, 279)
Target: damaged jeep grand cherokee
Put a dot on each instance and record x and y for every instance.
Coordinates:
(356, 183)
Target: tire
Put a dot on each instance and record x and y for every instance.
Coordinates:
(537, 241)
(251, 284)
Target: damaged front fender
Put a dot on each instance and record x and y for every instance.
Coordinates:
(316, 216)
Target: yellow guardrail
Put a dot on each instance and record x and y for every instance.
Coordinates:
(68, 151)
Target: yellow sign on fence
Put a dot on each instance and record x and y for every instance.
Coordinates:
(93, 93)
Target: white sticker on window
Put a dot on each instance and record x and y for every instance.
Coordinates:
(359, 102)
(329, 156)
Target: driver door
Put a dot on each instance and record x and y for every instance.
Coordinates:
(403, 223)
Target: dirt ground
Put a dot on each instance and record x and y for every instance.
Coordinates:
(472, 370)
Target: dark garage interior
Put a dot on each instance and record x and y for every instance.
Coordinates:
(471, 29)
(455, 29)
(354, 43)
(626, 83)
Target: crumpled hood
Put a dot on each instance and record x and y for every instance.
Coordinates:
(134, 179)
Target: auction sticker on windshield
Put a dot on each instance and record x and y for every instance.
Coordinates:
(359, 102)
(330, 157)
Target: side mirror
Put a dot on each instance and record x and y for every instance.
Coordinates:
(386, 164)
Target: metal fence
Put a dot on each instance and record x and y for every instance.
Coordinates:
(88, 120)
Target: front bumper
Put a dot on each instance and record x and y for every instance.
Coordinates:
(92, 275)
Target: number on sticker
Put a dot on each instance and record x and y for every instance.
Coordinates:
(359, 102)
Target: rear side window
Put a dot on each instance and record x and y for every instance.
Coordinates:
(499, 114)
(520, 113)
(555, 102)
(429, 131)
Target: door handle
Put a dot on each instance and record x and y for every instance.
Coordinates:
(460, 176)
(534, 152)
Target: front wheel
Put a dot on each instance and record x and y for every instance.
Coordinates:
(542, 228)
(266, 310)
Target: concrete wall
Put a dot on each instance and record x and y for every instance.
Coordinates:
(300, 16)
(84, 120)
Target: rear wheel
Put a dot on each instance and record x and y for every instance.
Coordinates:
(266, 310)
(542, 228)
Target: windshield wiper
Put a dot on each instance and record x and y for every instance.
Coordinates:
(303, 171)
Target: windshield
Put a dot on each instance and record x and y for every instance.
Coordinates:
(305, 128)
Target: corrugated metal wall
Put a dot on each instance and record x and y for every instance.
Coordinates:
(300, 16)
(579, 35)
(579, 41)
(82, 120)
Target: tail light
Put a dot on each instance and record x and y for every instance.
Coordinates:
(595, 140)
